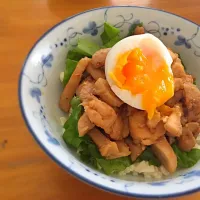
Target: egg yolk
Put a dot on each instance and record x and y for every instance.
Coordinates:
(146, 73)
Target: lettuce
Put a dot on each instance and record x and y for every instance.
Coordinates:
(87, 47)
(148, 155)
(186, 159)
(70, 67)
(89, 154)
(112, 42)
(109, 33)
(75, 55)
(115, 165)
(71, 135)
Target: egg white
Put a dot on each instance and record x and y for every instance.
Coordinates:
(144, 41)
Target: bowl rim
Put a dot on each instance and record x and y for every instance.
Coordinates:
(28, 124)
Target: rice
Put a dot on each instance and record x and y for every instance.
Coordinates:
(62, 120)
(146, 170)
(61, 76)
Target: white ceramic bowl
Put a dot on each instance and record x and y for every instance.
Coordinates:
(40, 88)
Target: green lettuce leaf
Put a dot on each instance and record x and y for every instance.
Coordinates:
(74, 55)
(133, 27)
(89, 154)
(71, 135)
(112, 42)
(186, 159)
(87, 47)
(70, 67)
(114, 165)
(109, 33)
(148, 155)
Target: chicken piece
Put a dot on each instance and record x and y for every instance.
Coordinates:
(123, 149)
(86, 89)
(152, 123)
(107, 148)
(139, 130)
(179, 72)
(178, 69)
(173, 125)
(101, 114)
(165, 154)
(183, 120)
(84, 125)
(99, 57)
(170, 139)
(124, 116)
(130, 110)
(165, 110)
(194, 128)
(175, 99)
(188, 79)
(125, 130)
(95, 73)
(186, 141)
(119, 129)
(103, 90)
(72, 84)
(192, 101)
(139, 30)
(178, 84)
(116, 129)
(172, 54)
(136, 149)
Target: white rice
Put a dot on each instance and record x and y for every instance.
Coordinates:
(62, 120)
(146, 170)
(61, 76)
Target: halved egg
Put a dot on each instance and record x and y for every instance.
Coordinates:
(138, 70)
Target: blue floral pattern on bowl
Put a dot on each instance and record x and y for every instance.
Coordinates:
(39, 89)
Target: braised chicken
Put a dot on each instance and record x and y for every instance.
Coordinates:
(86, 90)
(152, 123)
(107, 148)
(84, 125)
(192, 101)
(136, 149)
(186, 141)
(100, 113)
(102, 89)
(173, 124)
(98, 59)
(139, 130)
(139, 30)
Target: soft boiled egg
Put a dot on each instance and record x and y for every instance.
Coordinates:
(138, 70)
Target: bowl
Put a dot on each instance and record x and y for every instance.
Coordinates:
(40, 88)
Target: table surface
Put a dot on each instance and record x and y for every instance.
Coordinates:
(26, 172)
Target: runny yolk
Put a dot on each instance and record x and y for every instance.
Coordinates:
(144, 73)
